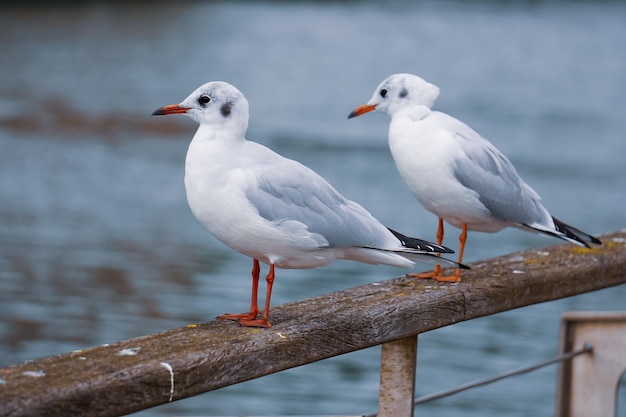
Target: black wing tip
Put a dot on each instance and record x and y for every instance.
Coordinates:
(420, 244)
(595, 240)
(449, 262)
(575, 234)
(463, 266)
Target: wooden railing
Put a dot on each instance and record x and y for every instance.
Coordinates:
(136, 374)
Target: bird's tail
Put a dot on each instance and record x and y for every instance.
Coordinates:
(569, 233)
(431, 258)
(575, 235)
(425, 251)
(419, 244)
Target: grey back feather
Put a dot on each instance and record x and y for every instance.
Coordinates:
(496, 181)
(307, 198)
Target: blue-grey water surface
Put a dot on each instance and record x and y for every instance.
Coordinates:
(97, 243)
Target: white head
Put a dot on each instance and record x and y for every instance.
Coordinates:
(397, 92)
(216, 104)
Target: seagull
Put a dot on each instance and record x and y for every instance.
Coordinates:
(273, 209)
(456, 173)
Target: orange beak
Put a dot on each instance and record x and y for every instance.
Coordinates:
(171, 109)
(362, 110)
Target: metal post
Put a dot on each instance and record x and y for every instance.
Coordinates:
(588, 385)
(397, 378)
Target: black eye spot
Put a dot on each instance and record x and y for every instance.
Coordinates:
(203, 100)
(226, 109)
(403, 93)
(383, 92)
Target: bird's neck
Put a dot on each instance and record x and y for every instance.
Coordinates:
(218, 133)
(415, 112)
(211, 142)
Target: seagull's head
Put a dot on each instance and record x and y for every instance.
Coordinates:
(215, 103)
(397, 92)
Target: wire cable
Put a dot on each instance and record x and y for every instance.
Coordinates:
(587, 348)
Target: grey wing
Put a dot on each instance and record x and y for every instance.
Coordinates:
(499, 187)
(295, 193)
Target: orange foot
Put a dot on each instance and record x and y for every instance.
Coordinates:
(424, 275)
(456, 277)
(436, 275)
(239, 317)
(262, 322)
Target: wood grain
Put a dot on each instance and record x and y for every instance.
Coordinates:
(100, 381)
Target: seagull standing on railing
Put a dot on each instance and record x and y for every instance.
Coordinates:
(454, 172)
(274, 209)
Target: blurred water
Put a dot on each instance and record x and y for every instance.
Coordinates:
(97, 243)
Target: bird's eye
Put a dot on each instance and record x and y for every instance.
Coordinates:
(383, 92)
(203, 100)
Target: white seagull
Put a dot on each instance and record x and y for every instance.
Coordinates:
(454, 172)
(274, 209)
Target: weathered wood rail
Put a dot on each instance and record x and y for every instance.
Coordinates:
(135, 374)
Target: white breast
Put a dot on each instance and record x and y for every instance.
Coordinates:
(425, 154)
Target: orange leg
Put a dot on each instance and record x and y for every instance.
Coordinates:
(254, 305)
(456, 277)
(440, 232)
(263, 321)
(437, 271)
